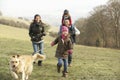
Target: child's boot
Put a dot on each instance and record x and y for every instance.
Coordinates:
(64, 74)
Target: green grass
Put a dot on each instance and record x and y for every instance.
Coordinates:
(89, 63)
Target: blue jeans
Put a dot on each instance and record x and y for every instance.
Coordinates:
(38, 47)
(60, 60)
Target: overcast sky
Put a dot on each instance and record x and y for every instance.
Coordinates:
(77, 8)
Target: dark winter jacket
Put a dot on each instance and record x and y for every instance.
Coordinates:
(36, 31)
(62, 47)
(72, 34)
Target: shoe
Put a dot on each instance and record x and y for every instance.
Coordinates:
(64, 74)
(39, 63)
(34, 62)
(59, 68)
(66, 71)
(69, 65)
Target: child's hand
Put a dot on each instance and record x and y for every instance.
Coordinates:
(52, 44)
(70, 51)
(65, 55)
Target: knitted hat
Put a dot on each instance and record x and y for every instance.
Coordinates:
(66, 11)
(64, 29)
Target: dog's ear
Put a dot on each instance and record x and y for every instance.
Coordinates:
(18, 56)
(13, 56)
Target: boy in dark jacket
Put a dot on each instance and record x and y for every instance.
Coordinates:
(64, 46)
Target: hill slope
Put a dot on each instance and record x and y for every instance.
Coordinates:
(89, 63)
(15, 19)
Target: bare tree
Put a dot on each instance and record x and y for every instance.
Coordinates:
(114, 14)
(100, 21)
(102, 26)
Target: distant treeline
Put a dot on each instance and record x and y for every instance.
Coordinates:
(13, 23)
(102, 27)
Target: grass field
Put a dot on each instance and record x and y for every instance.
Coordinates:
(89, 63)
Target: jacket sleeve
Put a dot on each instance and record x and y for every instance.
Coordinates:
(62, 20)
(77, 32)
(70, 45)
(43, 30)
(72, 30)
(56, 41)
(70, 20)
(30, 30)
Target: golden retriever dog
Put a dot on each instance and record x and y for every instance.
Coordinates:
(23, 64)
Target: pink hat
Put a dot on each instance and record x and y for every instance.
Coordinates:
(64, 29)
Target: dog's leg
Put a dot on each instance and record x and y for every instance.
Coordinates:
(26, 77)
(14, 75)
(29, 71)
(23, 75)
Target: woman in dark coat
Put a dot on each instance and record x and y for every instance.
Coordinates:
(36, 32)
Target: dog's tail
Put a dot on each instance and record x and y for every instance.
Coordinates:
(38, 56)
